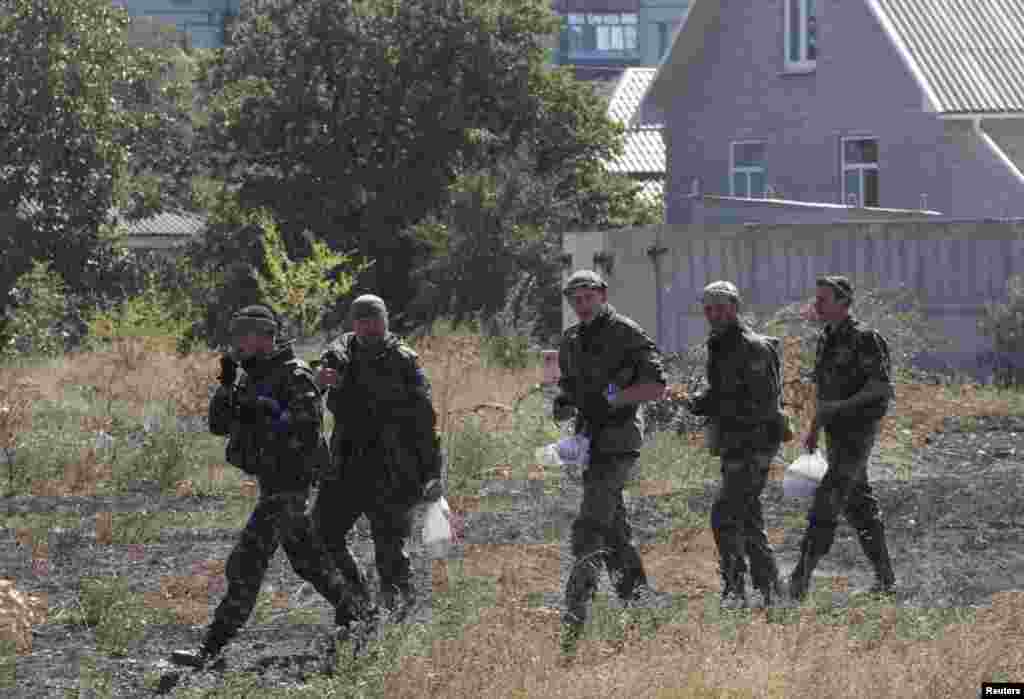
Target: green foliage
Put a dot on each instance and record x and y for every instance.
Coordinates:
(1004, 323)
(302, 291)
(162, 315)
(31, 326)
(117, 616)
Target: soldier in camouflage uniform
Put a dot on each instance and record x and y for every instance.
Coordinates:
(609, 365)
(744, 404)
(854, 386)
(273, 416)
(386, 454)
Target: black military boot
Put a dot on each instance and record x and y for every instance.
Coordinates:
(800, 578)
(734, 585)
(872, 540)
(208, 653)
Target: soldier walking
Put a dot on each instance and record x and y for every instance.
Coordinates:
(854, 388)
(386, 454)
(272, 415)
(609, 365)
(744, 404)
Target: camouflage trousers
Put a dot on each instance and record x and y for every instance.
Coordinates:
(844, 490)
(339, 504)
(278, 519)
(601, 536)
(737, 520)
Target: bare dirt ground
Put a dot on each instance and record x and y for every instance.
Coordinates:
(955, 529)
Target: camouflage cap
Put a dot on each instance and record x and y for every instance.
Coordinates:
(368, 306)
(584, 279)
(254, 320)
(840, 285)
(720, 292)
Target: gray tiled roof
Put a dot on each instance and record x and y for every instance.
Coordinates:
(653, 190)
(643, 145)
(643, 153)
(175, 225)
(968, 55)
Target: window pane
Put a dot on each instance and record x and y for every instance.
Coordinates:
(739, 184)
(756, 180)
(604, 38)
(663, 37)
(615, 41)
(812, 31)
(860, 151)
(629, 38)
(629, 19)
(851, 187)
(794, 30)
(594, 19)
(748, 154)
(577, 19)
(870, 187)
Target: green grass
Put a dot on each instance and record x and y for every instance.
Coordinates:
(117, 616)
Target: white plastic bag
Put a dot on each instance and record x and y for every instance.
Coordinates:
(803, 475)
(437, 530)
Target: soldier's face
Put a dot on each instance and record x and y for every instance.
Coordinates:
(720, 315)
(247, 346)
(370, 327)
(828, 308)
(587, 303)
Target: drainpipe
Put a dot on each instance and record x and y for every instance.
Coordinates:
(655, 252)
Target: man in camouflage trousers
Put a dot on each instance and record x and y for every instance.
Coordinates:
(386, 454)
(854, 387)
(744, 404)
(609, 365)
(272, 413)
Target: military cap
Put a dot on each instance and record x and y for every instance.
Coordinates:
(841, 286)
(368, 306)
(720, 291)
(584, 279)
(254, 320)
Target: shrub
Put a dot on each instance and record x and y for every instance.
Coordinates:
(32, 323)
(1004, 323)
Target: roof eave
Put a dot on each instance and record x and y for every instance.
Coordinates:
(687, 43)
(931, 101)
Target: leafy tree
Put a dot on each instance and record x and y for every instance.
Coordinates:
(356, 120)
(32, 322)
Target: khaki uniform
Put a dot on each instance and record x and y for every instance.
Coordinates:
(744, 403)
(284, 455)
(611, 349)
(384, 449)
(847, 357)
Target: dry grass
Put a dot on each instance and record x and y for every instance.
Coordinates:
(188, 596)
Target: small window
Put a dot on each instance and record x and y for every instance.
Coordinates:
(801, 35)
(664, 38)
(860, 172)
(602, 35)
(747, 172)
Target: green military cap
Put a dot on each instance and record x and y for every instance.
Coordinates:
(841, 286)
(368, 306)
(720, 292)
(584, 279)
(254, 320)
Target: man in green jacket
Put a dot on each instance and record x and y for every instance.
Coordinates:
(385, 451)
(609, 366)
(744, 403)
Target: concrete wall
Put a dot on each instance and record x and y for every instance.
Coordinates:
(710, 209)
(954, 266)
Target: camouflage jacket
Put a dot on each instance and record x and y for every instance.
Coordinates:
(611, 349)
(384, 420)
(285, 450)
(846, 358)
(744, 395)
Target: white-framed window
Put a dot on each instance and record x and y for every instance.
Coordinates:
(603, 35)
(860, 171)
(746, 169)
(801, 34)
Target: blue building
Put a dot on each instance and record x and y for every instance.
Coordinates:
(616, 33)
(203, 22)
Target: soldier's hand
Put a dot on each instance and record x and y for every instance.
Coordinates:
(811, 440)
(562, 408)
(433, 490)
(228, 370)
(327, 377)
